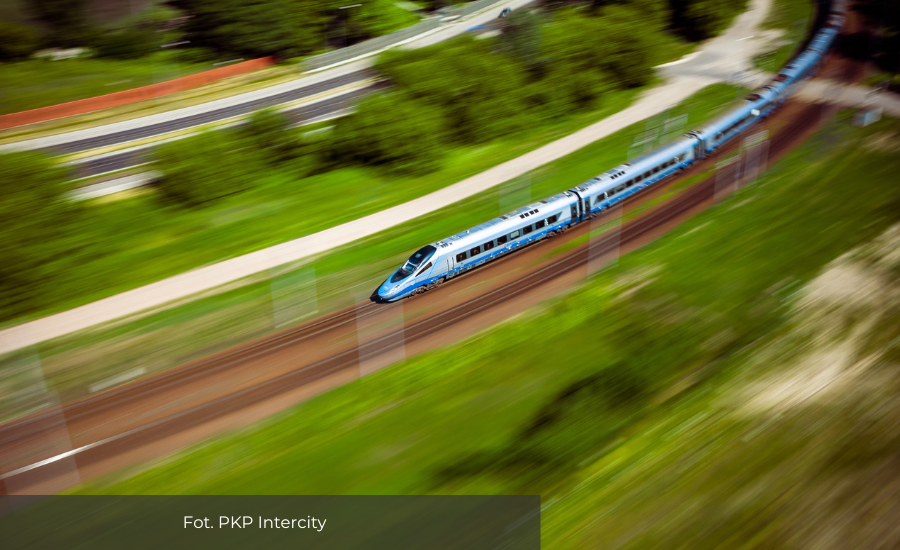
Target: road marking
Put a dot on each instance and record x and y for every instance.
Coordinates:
(684, 59)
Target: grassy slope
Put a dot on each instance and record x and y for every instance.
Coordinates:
(168, 338)
(681, 316)
(38, 83)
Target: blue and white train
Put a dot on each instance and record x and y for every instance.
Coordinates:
(440, 261)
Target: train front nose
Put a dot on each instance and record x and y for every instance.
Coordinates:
(383, 294)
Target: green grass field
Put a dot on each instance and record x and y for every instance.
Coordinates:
(166, 338)
(618, 421)
(39, 83)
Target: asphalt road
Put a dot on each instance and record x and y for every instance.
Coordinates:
(209, 116)
(94, 166)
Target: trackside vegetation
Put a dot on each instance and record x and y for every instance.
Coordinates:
(658, 419)
(453, 111)
(205, 324)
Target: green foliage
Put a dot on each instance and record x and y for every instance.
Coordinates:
(701, 19)
(253, 29)
(36, 228)
(65, 20)
(391, 131)
(286, 28)
(480, 93)
(129, 43)
(520, 37)
(16, 41)
(379, 17)
(270, 131)
(206, 167)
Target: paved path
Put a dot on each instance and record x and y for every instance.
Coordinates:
(718, 59)
(849, 96)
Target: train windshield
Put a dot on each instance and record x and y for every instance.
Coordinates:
(413, 262)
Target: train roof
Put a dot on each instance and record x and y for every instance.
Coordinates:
(475, 235)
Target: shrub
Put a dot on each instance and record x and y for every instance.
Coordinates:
(393, 132)
(130, 43)
(36, 230)
(65, 20)
(206, 167)
(16, 42)
(270, 131)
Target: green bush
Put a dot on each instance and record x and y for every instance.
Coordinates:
(270, 131)
(701, 19)
(66, 22)
(130, 43)
(35, 231)
(16, 42)
(206, 167)
(393, 132)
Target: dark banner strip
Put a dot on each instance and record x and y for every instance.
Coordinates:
(309, 522)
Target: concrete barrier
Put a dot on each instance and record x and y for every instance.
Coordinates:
(133, 95)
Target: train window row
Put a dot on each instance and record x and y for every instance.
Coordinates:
(639, 178)
(732, 127)
(503, 239)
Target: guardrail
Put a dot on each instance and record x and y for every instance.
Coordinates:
(393, 39)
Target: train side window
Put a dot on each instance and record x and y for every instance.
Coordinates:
(610, 193)
(424, 269)
(655, 170)
(461, 257)
(488, 245)
(502, 240)
(514, 235)
(639, 178)
(526, 230)
(553, 218)
(540, 224)
(629, 183)
(475, 251)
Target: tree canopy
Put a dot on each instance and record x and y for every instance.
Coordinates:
(36, 229)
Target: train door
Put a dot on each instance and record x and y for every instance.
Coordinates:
(587, 207)
(577, 209)
(699, 145)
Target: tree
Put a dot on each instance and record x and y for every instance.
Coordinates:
(701, 19)
(129, 43)
(270, 131)
(16, 42)
(36, 232)
(521, 38)
(206, 167)
(66, 21)
(480, 92)
(391, 131)
(254, 29)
